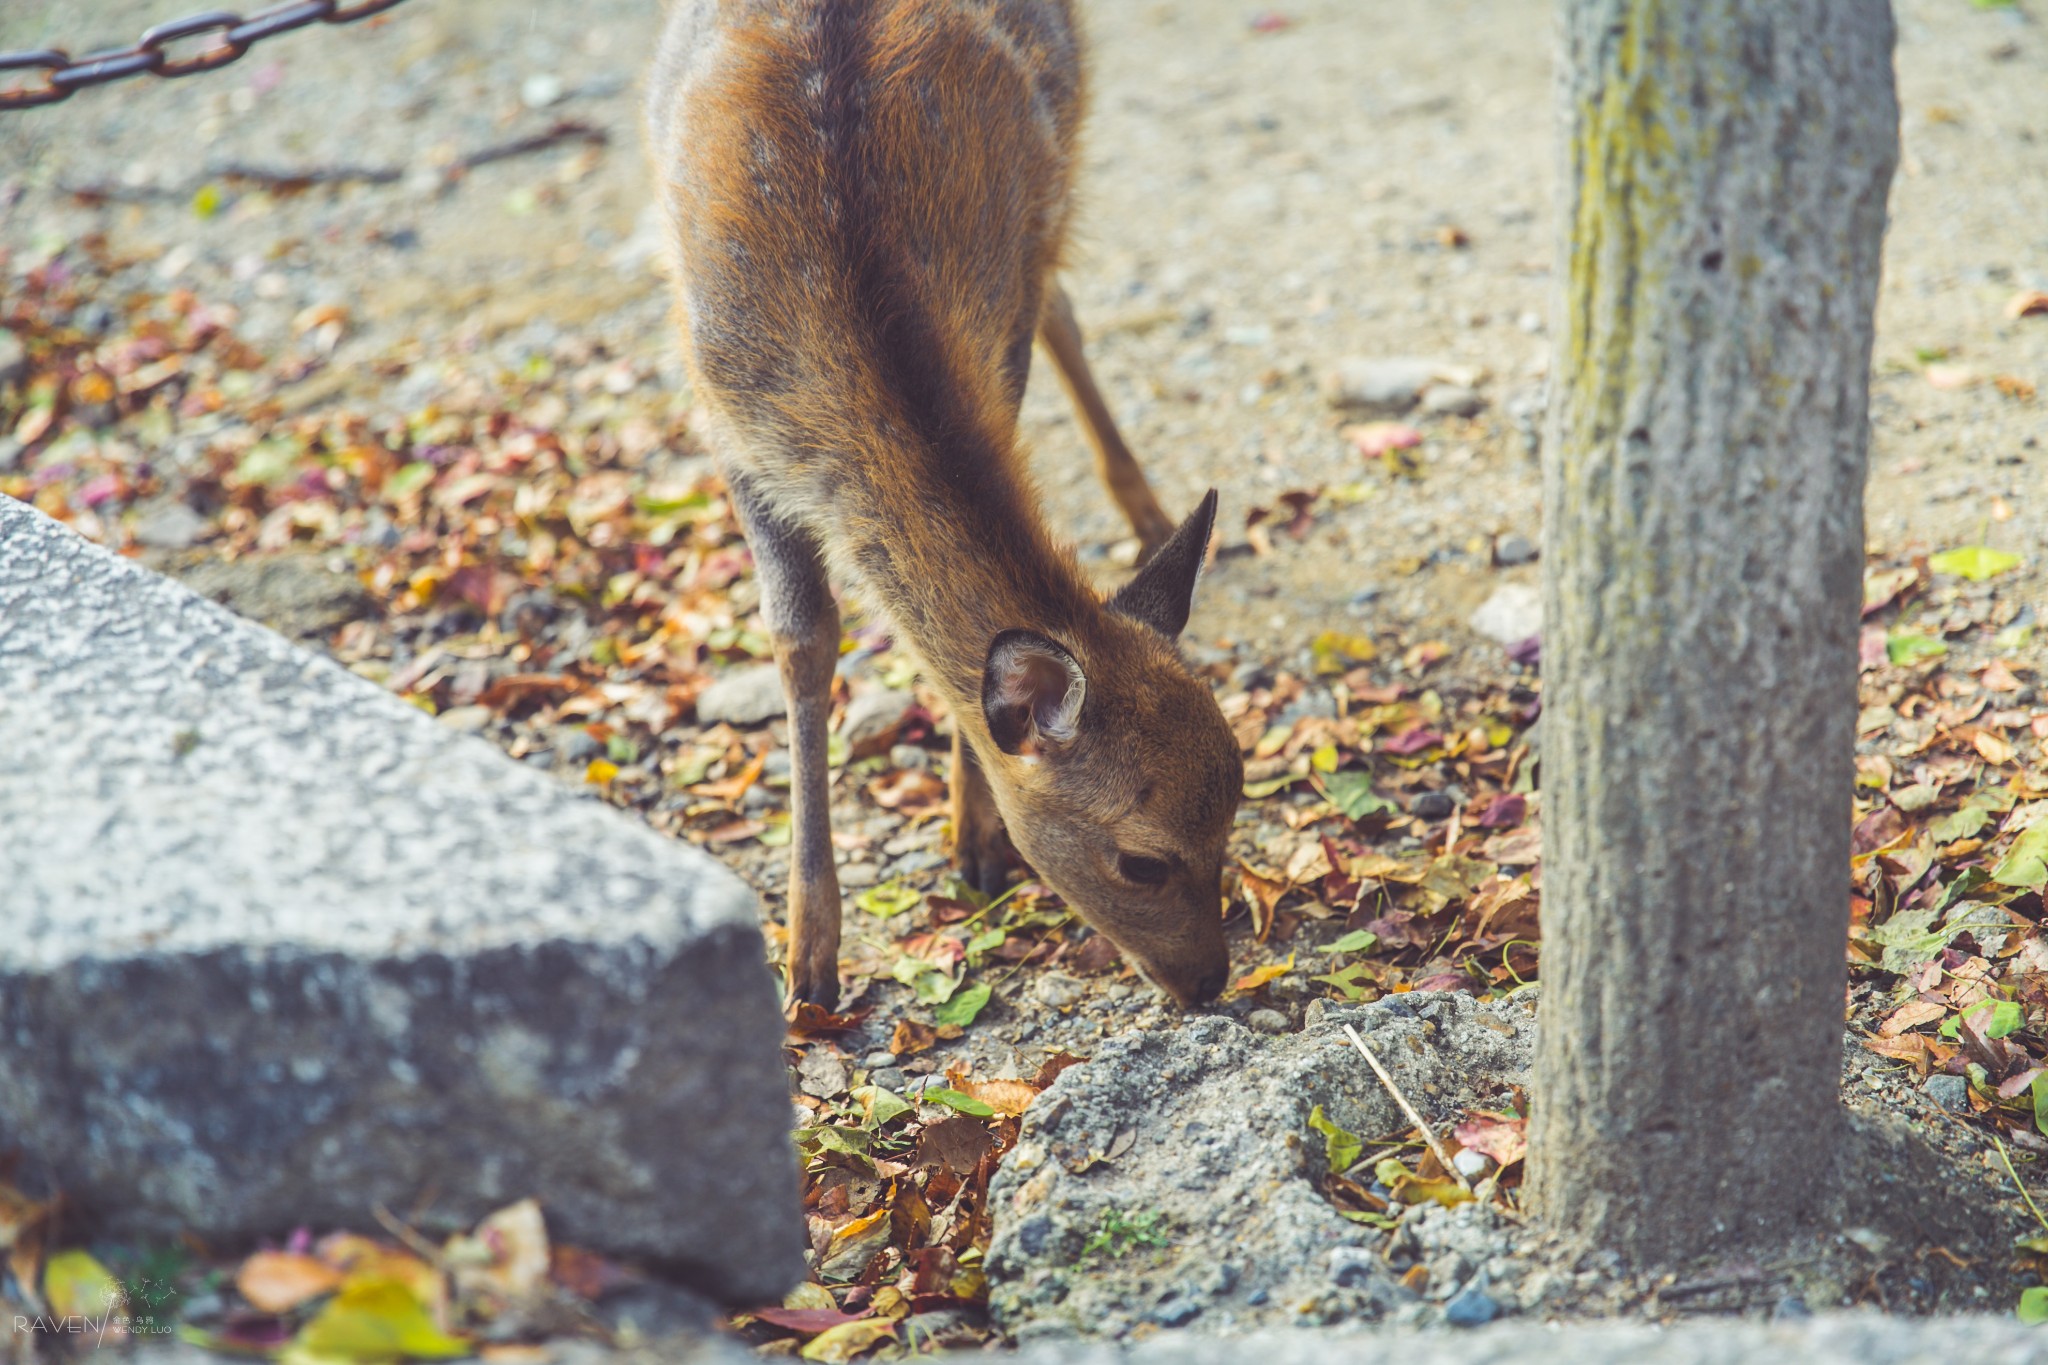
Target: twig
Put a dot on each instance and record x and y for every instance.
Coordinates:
(2032, 1207)
(567, 130)
(1428, 1134)
(426, 1250)
(298, 177)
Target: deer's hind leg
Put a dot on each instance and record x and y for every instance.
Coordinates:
(1061, 336)
(803, 626)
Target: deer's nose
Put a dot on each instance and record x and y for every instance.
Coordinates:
(1209, 985)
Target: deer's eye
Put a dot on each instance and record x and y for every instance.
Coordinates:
(1133, 867)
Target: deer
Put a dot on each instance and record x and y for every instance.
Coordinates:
(865, 205)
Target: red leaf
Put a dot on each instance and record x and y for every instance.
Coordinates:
(807, 1321)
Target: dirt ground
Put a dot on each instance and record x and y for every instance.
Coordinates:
(1267, 192)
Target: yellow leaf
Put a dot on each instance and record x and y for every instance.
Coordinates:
(1258, 977)
(836, 1345)
(365, 1260)
(600, 770)
(76, 1285)
(810, 1295)
(372, 1320)
(279, 1281)
(853, 1245)
(1995, 750)
(1334, 651)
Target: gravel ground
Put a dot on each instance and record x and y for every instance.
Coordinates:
(1260, 203)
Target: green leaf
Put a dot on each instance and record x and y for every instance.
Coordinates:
(2006, 1017)
(1960, 825)
(267, 462)
(79, 1286)
(409, 480)
(2033, 1309)
(1348, 981)
(374, 1320)
(1904, 647)
(1351, 792)
(1383, 1221)
(953, 1099)
(987, 941)
(1971, 879)
(1357, 941)
(890, 898)
(1909, 938)
(962, 1008)
(882, 1106)
(2012, 639)
(1340, 1148)
(1974, 562)
(2038, 1092)
(2026, 863)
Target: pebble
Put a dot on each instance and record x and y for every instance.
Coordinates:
(167, 524)
(1060, 992)
(1950, 1092)
(909, 756)
(1177, 1311)
(1452, 400)
(1472, 1165)
(468, 719)
(576, 745)
(859, 874)
(540, 90)
(1266, 1021)
(1512, 550)
(1512, 614)
(1364, 382)
(1431, 806)
(1352, 1267)
(743, 696)
(1472, 1307)
(873, 719)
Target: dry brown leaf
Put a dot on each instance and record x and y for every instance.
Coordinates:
(279, 1281)
(1911, 1015)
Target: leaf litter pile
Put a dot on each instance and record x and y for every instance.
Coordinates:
(542, 554)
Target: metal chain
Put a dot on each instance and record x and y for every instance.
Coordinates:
(230, 36)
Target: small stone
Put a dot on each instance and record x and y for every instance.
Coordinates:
(167, 524)
(1473, 1307)
(909, 756)
(1512, 550)
(1352, 1267)
(859, 874)
(743, 696)
(1431, 806)
(1950, 1092)
(1266, 1021)
(1791, 1308)
(874, 719)
(1177, 1311)
(1452, 400)
(822, 1074)
(1512, 614)
(1060, 992)
(879, 1057)
(891, 1079)
(13, 358)
(540, 90)
(467, 719)
(1472, 1165)
(1365, 382)
(577, 745)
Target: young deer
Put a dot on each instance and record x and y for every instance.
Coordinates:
(866, 200)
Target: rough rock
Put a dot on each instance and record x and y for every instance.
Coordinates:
(280, 948)
(1205, 1127)
(874, 719)
(744, 696)
(296, 594)
(1512, 614)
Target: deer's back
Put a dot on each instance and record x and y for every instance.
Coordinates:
(864, 197)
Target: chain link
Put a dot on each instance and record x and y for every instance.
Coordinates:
(153, 53)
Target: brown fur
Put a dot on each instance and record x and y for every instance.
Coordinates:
(867, 202)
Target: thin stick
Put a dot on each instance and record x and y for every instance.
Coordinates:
(426, 1250)
(2031, 1206)
(1428, 1135)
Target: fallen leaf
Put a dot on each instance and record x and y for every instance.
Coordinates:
(1006, 1097)
(964, 1007)
(1503, 1137)
(910, 1037)
(374, 1320)
(836, 1345)
(2026, 862)
(957, 1144)
(1341, 1147)
(1911, 1015)
(77, 1285)
(1974, 562)
(805, 1321)
(2028, 303)
(1258, 977)
(279, 1281)
(853, 1245)
(505, 1259)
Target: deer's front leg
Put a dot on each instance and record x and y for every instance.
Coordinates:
(981, 849)
(803, 626)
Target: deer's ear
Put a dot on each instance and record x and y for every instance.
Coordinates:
(1031, 693)
(1164, 591)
